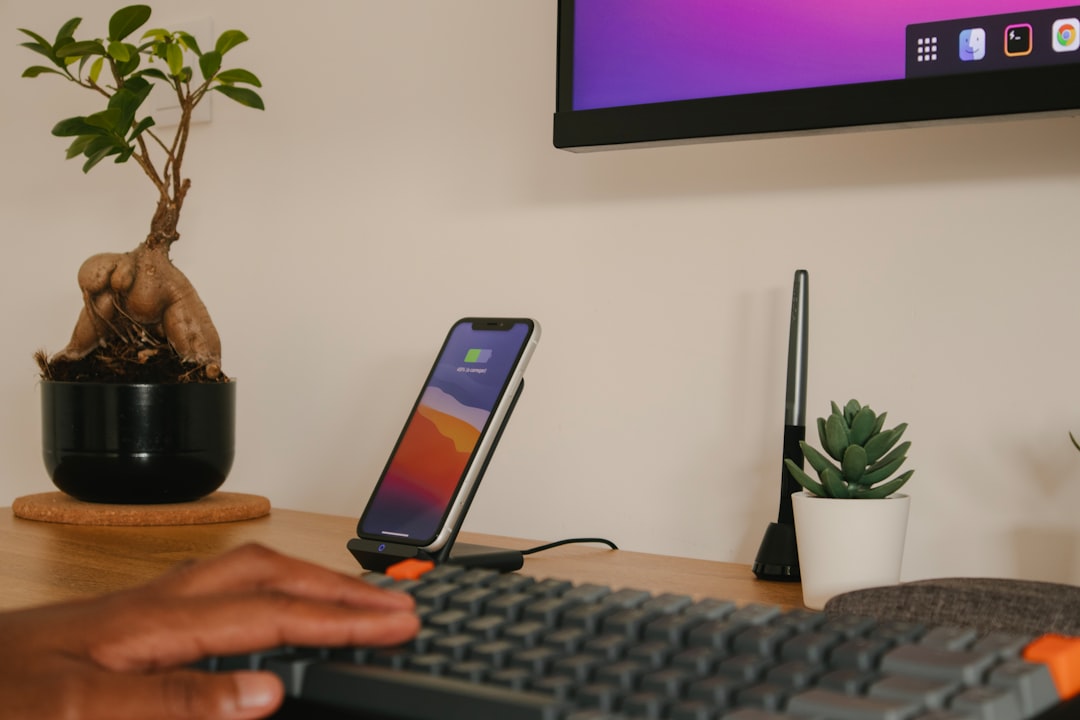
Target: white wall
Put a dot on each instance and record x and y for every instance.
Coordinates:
(403, 176)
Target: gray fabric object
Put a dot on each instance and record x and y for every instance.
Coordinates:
(1018, 606)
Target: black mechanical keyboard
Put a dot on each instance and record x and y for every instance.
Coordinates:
(508, 647)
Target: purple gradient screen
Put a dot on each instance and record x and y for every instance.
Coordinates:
(629, 52)
(437, 444)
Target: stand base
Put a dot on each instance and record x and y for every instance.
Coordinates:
(778, 555)
(377, 556)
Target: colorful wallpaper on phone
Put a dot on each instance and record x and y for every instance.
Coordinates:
(439, 439)
(629, 52)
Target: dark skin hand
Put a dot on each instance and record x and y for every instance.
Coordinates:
(124, 656)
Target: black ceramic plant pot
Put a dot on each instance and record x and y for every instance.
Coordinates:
(129, 443)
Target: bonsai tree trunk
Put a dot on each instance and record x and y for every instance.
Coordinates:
(138, 306)
(140, 301)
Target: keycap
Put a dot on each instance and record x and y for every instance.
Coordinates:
(411, 696)
(794, 674)
(837, 706)
(668, 603)
(436, 595)
(763, 640)
(581, 667)
(1030, 682)
(672, 629)
(291, 669)
(1004, 645)
(763, 695)
(927, 661)
(949, 638)
(586, 593)
(859, 654)
(929, 692)
(811, 646)
(472, 600)
(988, 702)
(645, 705)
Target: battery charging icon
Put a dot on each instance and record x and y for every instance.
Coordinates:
(477, 355)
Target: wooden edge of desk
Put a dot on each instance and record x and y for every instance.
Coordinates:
(47, 562)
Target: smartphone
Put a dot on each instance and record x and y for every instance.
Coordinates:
(439, 456)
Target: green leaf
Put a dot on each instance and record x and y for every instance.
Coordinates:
(75, 126)
(106, 119)
(821, 430)
(32, 72)
(850, 410)
(78, 147)
(95, 69)
(98, 157)
(120, 51)
(174, 56)
(228, 40)
(817, 461)
(159, 34)
(127, 101)
(127, 20)
(80, 49)
(862, 425)
(238, 76)
(209, 64)
(41, 45)
(805, 480)
(42, 51)
(101, 148)
(241, 95)
(898, 451)
(836, 437)
(883, 491)
(143, 126)
(854, 464)
(835, 484)
(67, 31)
(126, 68)
(189, 41)
(880, 444)
(154, 73)
(879, 424)
(882, 473)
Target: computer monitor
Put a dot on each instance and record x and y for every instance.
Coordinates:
(664, 71)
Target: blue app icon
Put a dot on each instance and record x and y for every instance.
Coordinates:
(972, 44)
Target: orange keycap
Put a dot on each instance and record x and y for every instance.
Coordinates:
(1062, 655)
(410, 569)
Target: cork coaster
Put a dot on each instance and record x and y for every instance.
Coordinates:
(218, 507)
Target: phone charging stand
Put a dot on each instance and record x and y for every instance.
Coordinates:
(377, 555)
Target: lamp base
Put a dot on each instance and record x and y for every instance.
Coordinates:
(778, 556)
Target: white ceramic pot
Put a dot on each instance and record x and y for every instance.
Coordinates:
(848, 544)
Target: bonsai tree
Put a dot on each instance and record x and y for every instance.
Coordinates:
(141, 319)
(867, 455)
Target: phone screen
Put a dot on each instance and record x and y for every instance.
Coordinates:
(437, 448)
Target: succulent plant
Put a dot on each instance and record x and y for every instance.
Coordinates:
(866, 455)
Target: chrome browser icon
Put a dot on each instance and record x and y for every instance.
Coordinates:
(1066, 37)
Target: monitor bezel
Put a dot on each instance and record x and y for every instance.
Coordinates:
(1052, 89)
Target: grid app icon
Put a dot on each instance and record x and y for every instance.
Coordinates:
(926, 49)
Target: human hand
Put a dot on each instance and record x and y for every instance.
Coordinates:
(126, 655)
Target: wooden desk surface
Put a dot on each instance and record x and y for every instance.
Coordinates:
(45, 562)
